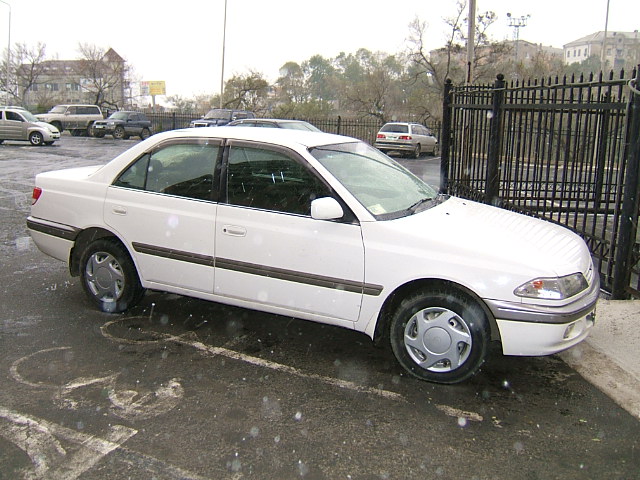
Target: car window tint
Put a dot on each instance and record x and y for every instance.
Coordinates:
(395, 128)
(14, 116)
(271, 180)
(135, 175)
(184, 170)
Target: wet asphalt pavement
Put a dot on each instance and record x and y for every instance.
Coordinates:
(179, 388)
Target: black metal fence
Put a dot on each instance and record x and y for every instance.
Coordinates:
(565, 150)
(363, 129)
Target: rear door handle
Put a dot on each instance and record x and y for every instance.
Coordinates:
(118, 210)
(234, 230)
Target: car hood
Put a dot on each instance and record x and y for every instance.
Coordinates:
(46, 125)
(495, 239)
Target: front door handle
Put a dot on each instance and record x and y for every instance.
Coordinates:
(234, 230)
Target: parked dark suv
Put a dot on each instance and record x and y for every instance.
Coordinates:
(123, 124)
(220, 116)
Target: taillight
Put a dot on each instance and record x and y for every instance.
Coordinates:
(405, 137)
(37, 191)
(380, 135)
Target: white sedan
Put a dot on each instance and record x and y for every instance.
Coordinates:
(324, 228)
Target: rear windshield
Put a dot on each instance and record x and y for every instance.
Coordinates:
(395, 128)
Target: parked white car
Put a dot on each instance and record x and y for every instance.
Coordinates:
(406, 138)
(324, 228)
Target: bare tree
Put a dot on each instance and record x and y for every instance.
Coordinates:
(28, 65)
(103, 75)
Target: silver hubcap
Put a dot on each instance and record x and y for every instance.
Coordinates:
(437, 339)
(104, 277)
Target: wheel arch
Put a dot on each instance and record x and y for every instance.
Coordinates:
(85, 238)
(403, 291)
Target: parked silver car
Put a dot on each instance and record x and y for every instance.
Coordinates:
(20, 124)
(275, 123)
(406, 138)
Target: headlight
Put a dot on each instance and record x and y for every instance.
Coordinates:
(557, 288)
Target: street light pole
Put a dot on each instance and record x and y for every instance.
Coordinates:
(8, 52)
(517, 23)
(224, 41)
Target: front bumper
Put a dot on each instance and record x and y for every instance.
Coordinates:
(533, 330)
(49, 136)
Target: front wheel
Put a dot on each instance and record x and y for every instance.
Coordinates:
(417, 151)
(145, 133)
(118, 133)
(36, 139)
(440, 336)
(109, 276)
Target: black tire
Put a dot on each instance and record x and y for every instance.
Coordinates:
(416, 151)
(98, 134)
(440, 336)
(109, 276)
(89, 130)
(118, 132)
(48, 144)
(145, 133)
(36, 139)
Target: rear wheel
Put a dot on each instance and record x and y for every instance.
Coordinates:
(109, 276)
(417, 151)
(36, 138)
(145, 133)
(440, 336)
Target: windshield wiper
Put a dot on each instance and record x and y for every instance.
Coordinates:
(433, 200)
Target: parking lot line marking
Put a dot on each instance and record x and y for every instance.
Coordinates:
(39, 439)
(232, 354)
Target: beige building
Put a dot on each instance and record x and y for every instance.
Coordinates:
(621, 49)
(101, 81)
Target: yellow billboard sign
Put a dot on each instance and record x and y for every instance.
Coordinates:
(153, 88)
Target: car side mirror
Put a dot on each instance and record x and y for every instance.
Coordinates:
(326, 208)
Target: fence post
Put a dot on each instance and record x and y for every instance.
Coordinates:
(492, 181)
(339, 124)
(629, 215)
(445, 137)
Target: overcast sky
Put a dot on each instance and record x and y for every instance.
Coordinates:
(180, 42)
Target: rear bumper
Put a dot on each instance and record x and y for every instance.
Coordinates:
(53, 239)
(394, 147)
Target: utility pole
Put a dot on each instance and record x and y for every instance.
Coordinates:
(517, 23)
(471, 40)
(604, 40)
(224, 41)
(8, 52)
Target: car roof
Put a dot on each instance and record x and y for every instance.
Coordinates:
(285, 137)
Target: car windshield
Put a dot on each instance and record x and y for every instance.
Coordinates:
(381, 185)
(395, 128)
(118, 116)
(58, 109)
(29, 117)
(217, 113)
